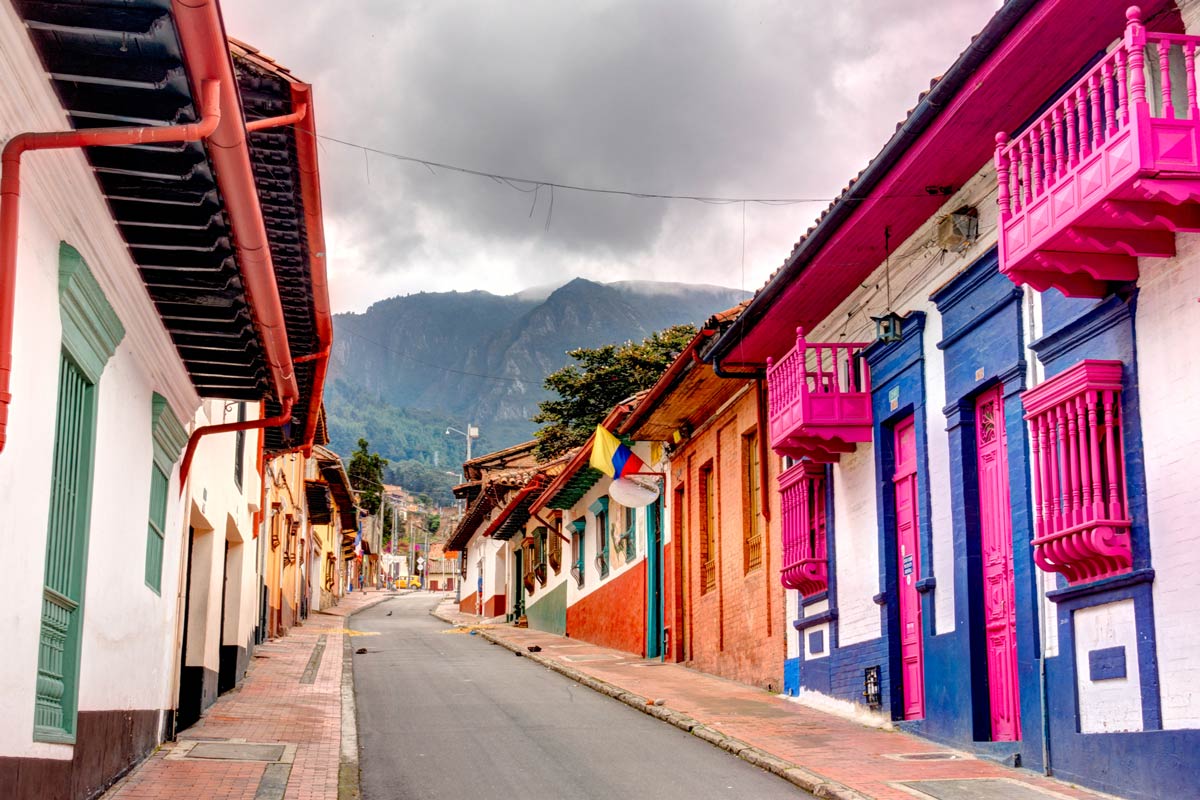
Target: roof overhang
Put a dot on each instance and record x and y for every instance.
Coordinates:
(1026, 52)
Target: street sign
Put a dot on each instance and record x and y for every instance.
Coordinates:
(420, 562)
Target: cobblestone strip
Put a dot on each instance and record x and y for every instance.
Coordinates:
(809, 781)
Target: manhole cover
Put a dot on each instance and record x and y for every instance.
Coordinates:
(979, 789)
(233, 751)
(927, 756)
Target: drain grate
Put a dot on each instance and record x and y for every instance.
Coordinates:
(237, 751)
(926, 756)
(597, 657)
(978, 789)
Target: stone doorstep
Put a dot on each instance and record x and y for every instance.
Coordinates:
(232, 750)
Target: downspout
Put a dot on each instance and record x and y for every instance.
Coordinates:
(314, 226)
(206, 55)
(310, 192)
(10, 201)
(284, 417)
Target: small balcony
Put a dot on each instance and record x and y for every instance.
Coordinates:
(802, 503)
(1109, 173)
(819, 400)
(1082, 509)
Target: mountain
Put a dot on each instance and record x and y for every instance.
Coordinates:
(409, 367)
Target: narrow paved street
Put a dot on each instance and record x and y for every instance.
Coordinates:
(447, 715)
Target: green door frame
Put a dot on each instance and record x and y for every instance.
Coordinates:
(654, 580)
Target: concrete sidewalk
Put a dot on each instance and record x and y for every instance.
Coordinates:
(821, 753)
(290, 705)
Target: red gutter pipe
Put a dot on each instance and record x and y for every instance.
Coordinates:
(10, 201)
(310, 193)
(284, 417)
(206, 54)
(314, 225)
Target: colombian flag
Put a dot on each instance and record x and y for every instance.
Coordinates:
(611, 457)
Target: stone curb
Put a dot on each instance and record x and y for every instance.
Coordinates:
(809, 781)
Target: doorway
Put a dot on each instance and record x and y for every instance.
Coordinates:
(908, 563)
(191, 691)
(654, 580)
(996, 550)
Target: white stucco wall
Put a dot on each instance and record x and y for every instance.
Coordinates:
(125, 624)
(1115, 704)
(857, 543)
(1169, 387)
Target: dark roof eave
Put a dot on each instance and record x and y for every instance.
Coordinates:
(927, 110)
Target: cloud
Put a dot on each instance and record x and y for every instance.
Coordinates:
(730, 97)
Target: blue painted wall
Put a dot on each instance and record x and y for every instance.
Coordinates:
(897, 392)
(983, 346)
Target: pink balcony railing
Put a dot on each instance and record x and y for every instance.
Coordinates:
(1107, 173)
(1082, 517)
(819, 400)
(802, 502)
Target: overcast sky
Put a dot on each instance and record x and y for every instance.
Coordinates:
(730, 98)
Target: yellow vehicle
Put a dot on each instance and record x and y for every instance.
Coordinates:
(411, 582)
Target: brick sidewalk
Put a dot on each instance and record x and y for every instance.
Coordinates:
(851, 760)
(281, 701)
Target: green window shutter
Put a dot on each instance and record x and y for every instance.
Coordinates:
(630, 534)
(154, 535)
(91, 332)
(66, 554)
(169, 438)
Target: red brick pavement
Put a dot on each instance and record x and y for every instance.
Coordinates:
(840, 750)
(270, 706)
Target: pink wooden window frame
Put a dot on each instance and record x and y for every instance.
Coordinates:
(1082, 520)
(802, 499)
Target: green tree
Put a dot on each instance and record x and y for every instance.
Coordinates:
(433, 522)
(603, 377)
(366, 476)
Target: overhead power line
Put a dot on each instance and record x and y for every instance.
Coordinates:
(523, 184)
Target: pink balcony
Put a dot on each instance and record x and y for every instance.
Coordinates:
(1082, 518)
(1109, 173)
(802, 501)
(819, 400)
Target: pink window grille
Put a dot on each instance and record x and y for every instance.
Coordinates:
(802, 492)
(1082, 513)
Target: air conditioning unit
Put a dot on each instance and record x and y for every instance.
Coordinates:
(958, 230)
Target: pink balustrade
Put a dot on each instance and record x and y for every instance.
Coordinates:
(802, 496)
(1081, 512)
(819, 399)
(1109, 173)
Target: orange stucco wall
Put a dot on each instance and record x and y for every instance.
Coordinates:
(614, 615)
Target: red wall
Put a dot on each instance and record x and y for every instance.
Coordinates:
(494, 606)
(614, 615)
(467, 604)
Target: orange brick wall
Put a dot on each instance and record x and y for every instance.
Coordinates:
(736, 629)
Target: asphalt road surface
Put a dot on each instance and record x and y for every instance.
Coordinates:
(449, 716)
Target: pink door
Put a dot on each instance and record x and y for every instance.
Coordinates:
(999, 597)
(912, 655)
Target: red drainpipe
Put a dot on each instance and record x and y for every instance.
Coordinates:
(284, 417)
(206, 54)
(310, 192)
(206, 51)
(10, 201)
